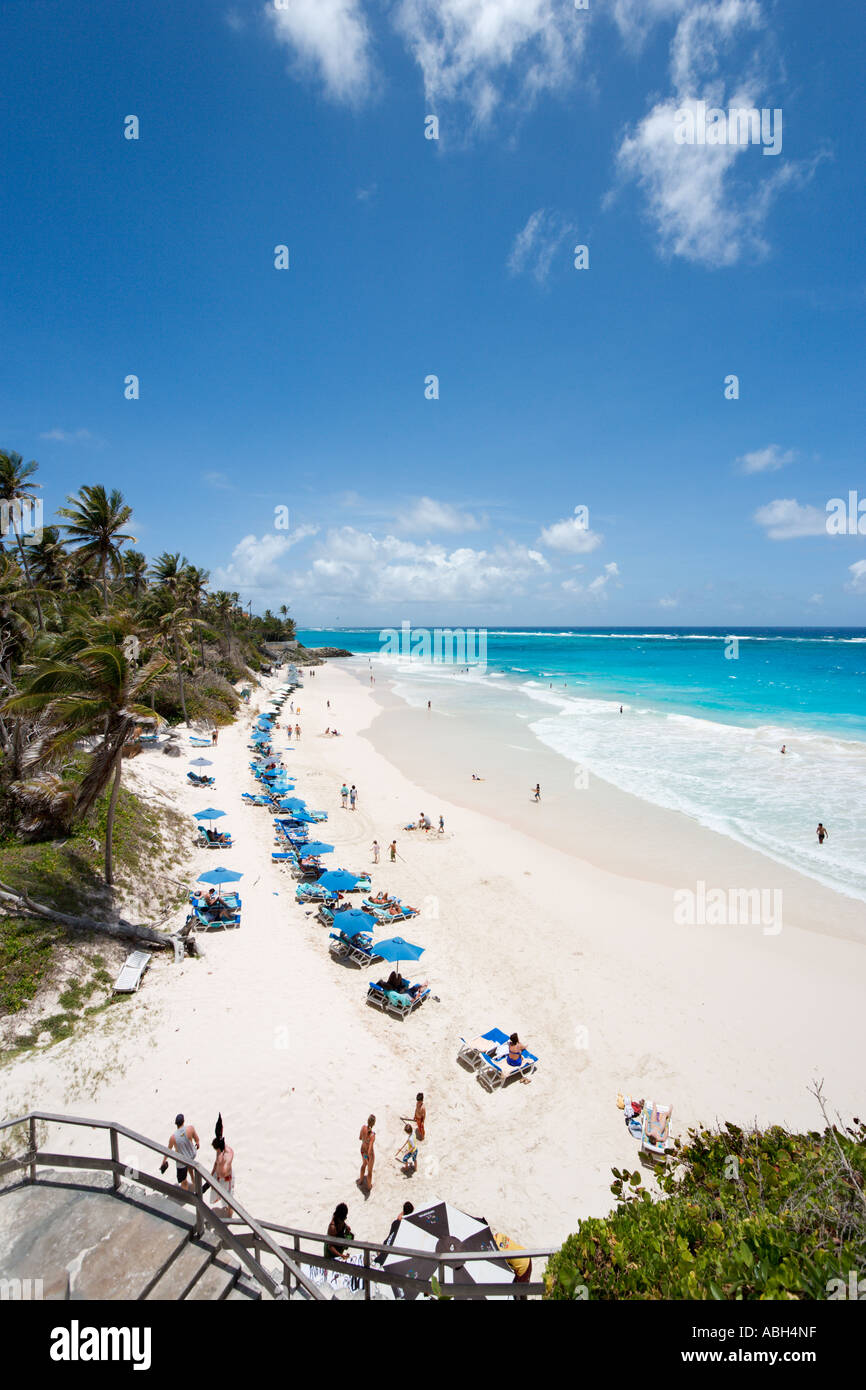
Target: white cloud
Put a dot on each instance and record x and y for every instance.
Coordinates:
(785, 519)
(218, 480)
(571, 536)
(857, 582)
(483, 52)
(766, 460)
(425, 514)
(332, 38)
(67, 436)
(668, 602)
(700, 211)
(539, 243)
(598, 585)
(255, 563)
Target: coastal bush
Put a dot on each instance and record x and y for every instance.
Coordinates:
(210, 697)
(742, 1215)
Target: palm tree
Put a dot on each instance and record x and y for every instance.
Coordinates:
(48, 560)
(194, 589)
(96, 519)
(84, 686)
(15, 488)
(171, 625)
(223, 609)
(135, 572)
(168, 571)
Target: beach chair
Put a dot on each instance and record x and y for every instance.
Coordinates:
(398, 1005)
(356, 950)
(198, 741)
(199, 781)
(225, 843)
(132, 972)
(203, 923)
(655, 1127)
(487, 1057)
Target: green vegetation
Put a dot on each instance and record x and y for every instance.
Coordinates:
(95, 642)
(66, 874)
(742, 1215)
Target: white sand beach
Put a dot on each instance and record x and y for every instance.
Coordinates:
(553, 919)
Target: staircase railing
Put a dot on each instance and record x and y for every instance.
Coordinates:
(251, 1239)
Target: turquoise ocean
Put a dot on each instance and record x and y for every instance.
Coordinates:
(704, 717)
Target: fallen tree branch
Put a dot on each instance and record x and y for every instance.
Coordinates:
(121, 930)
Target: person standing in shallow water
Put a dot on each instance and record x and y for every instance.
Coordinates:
(822, 832)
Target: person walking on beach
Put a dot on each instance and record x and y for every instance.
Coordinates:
(353, 796)
(214, 737)
(393, 850)
(186, 1144)
(536, 796)
(441, 825)
(375, 848)
(368, 1153)
(289, 730)
(420, 1115)
(297, 731)
(222, 1167)
(822, 833)
(344, 794)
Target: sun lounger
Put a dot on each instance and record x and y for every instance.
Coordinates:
(131, 972)
(224, 843)
(204, 923)
(398, 1005)
(199, 781)
(198, 742)
(655, 1126)
(355, 950)
(487, 1057)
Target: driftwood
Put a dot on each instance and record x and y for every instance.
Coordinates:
(121, 930)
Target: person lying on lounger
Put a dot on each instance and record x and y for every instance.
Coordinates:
(394, 982)
(216, 907)
(217, 838)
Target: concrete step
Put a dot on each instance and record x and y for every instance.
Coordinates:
(188, 1265)
(216, 1283)
(244, 1292)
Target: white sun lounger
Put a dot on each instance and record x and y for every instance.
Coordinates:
(131, 972)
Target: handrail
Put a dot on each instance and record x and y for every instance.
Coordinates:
(258, 1233)
(204, 1213)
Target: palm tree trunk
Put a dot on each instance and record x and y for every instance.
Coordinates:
(180, 681)
(23, 553)
(104, 576)
(109, 819)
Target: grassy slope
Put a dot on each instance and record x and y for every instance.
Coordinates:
(67, 875)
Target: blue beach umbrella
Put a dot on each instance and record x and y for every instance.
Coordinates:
(200, 762)
(315, 848)
(353, 920)
(219, 876)
(292, 803)
(338, 880)
(396, 949)
(209, 814)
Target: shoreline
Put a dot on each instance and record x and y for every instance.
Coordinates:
(584, 962)
(596, 822)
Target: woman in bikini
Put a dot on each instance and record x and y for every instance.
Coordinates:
(368, 1152)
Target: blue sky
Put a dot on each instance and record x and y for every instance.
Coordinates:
(410, 257)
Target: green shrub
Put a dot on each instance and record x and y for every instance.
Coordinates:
(743, 1215)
